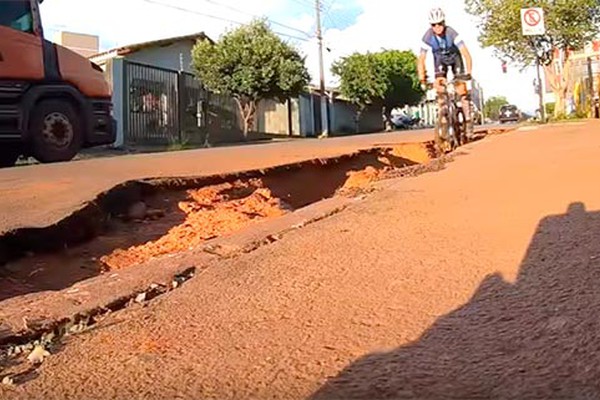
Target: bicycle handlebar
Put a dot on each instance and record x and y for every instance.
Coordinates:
(457, 78)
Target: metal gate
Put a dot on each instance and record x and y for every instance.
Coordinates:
(193, 104)
(162, 106)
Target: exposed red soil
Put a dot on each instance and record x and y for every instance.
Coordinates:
(209, 213)
(362, 178)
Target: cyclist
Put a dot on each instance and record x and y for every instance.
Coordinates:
(448, 52)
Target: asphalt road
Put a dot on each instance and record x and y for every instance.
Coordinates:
(478, 281)
(51, 192)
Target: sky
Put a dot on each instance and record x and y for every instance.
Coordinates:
(348, 26)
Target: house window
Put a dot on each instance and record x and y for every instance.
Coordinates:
(16, 15)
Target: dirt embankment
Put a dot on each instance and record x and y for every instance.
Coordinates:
(171, 220)
(197, 216)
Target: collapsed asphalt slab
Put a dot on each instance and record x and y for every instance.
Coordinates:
(50, 193)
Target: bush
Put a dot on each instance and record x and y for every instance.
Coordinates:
(581, 112)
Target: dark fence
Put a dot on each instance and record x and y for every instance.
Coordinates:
(163, 106)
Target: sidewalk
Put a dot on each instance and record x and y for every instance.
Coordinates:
(477, 281)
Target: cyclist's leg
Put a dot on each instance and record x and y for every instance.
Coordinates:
(465, 96)
(441, 73)
(442, 125)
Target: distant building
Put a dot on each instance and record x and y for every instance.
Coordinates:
(145, 76)
(83, 44)
(173, 53)
(584, 72)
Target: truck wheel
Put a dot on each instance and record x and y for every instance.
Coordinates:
(55, 131)
(8, 155)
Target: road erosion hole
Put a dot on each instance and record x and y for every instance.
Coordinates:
(141, 220)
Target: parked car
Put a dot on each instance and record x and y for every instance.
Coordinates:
(405, 121)
(509, 113)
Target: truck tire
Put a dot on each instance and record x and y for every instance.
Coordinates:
(8, 155)
(55, 131)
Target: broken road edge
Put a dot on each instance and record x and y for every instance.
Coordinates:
(45, 317)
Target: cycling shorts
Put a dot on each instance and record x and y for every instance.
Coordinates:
(456, 65)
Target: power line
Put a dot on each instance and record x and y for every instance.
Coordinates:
(187, 10)
(334, 19)
(333, 24)
(306, 3)
(338, 23)
(227, 6)
(324, 106)
(330, 6)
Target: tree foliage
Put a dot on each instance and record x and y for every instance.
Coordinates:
(387, 79)
(251, 63)
(569, 24)
(492, 106)
(361, 79)
(402, 83)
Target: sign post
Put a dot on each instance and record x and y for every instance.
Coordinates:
(533, 24)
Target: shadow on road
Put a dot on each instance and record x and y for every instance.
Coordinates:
(536, 338)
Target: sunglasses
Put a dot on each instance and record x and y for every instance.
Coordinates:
(438, 24)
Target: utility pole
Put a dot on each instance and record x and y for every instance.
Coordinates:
(590, 76)
(541, 90)
(324, 108)
(533, 25)
(595, 107)
(481, 105)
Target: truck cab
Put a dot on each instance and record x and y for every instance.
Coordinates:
(53, 101)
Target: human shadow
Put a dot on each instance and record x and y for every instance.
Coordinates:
(534, 339)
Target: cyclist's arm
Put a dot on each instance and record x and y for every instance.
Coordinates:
(467, 56)
(464, 51)
(421, 65)
(421, 70)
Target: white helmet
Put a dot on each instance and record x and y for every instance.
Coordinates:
(436, 15)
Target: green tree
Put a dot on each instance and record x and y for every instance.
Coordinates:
(550, 108)
(387, 79)
(569, 23)
(402, 82)
(251, 63)
(492, 106)
(361, 80)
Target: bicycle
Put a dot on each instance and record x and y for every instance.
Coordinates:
(453, 133)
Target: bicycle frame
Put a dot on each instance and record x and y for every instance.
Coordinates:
(448, 110)
(458, 114)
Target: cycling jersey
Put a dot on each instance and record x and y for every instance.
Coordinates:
(445, 49)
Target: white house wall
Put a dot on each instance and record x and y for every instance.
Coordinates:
(177, 56)
(115, 70)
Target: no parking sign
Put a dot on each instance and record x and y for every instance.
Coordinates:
(532, 21)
